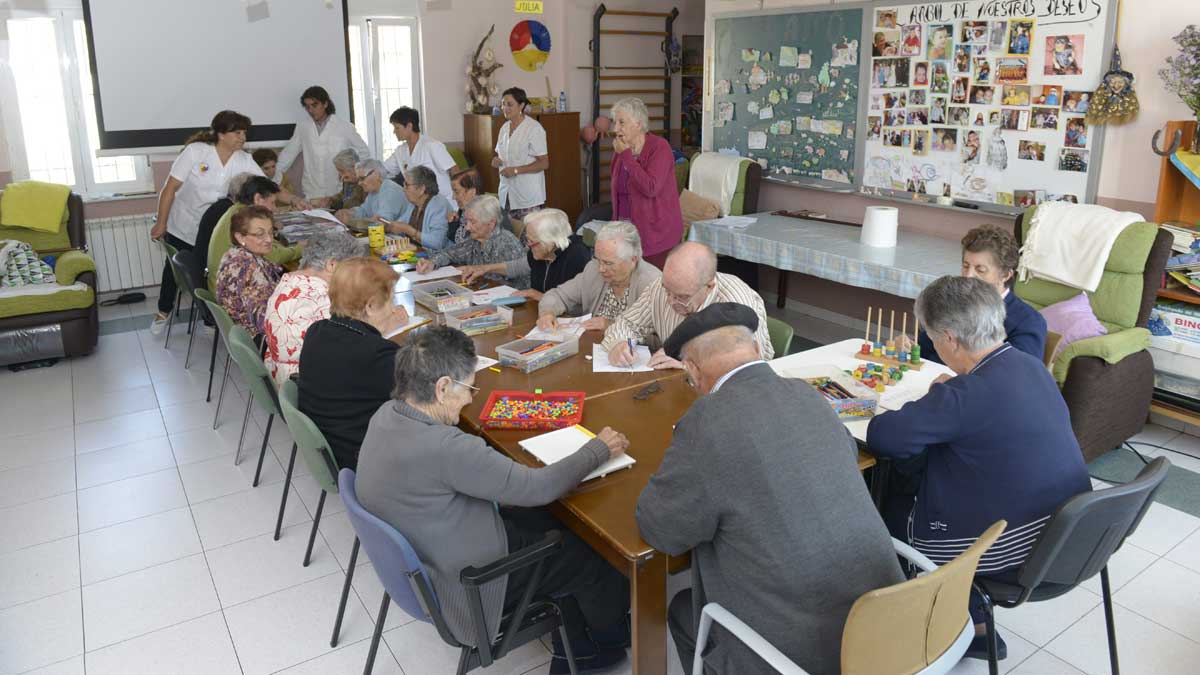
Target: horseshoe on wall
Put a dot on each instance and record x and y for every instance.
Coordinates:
(1175, 142)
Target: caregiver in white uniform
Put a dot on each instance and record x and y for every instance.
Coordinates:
(521, 156)
(319, 137)
(418, 149)
(200, 176)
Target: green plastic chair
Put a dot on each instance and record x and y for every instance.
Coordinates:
(321, 463)
(781, 336)
(224, 328)
(262, 391)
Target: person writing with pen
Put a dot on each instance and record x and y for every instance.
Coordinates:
(689, 283)
(385, 201)
(485, 246)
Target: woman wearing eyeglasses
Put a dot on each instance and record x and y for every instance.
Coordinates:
(246, 279)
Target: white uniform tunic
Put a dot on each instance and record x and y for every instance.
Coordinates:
(319, 147)
(205, 181)
(518, 148)
(428, 152)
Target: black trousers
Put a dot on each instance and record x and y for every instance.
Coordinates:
(681, 620)
(591, 593)
(167, 289)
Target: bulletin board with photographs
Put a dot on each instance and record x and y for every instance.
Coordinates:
(785, 92)
(984, 102)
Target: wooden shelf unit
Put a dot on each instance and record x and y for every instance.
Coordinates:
(1178, 198)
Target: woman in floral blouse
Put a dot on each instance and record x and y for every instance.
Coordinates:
(302, 297)
(246, 279)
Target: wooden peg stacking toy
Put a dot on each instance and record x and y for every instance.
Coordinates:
(884, 352)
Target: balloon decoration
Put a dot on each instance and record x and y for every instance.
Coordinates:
(588, 134)
(530, 44)
(602, 124)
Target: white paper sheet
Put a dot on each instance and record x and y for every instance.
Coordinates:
(413, 322)
(567, 329)
(440, 273)
(322, 214)
(738, 222)
(601, 364)
(489, 295)
(561, 443)
(482, 362)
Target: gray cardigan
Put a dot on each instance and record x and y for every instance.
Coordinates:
(581, 295)
(761, 483)
(440, 488)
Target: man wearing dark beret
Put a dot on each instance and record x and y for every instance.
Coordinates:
(761, 484)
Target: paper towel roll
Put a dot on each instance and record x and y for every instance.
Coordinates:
(879, 226)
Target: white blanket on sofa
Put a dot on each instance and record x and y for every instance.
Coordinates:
(1069, 243)
(715, 176)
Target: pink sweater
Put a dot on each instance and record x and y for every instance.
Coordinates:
(653, 198)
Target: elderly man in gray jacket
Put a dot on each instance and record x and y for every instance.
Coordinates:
(761, 483)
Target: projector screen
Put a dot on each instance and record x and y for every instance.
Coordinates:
(163, 68)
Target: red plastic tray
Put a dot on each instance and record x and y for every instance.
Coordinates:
(531, 423)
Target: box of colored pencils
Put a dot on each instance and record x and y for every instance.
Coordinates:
(530, 355)
(848, 398)
(531, 412)
(442, 295)
(480, 319)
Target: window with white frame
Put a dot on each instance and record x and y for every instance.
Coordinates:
(51, 120)
(385, 69)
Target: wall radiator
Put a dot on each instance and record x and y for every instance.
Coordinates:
(125, 256)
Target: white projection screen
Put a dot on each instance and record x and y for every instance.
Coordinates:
(163, 68)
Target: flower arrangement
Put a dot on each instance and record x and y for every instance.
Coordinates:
(480, 87)
(1182, 74)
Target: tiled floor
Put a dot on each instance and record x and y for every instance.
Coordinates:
(131, 543)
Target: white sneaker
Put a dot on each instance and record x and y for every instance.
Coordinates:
(159, 324)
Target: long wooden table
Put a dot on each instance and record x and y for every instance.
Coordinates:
(601, 512)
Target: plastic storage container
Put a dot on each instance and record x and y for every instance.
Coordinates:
(480, 320)
(442, 295)
(555, 410)
(530, 355)
(861, 402)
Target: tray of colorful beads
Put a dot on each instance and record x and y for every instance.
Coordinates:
(523, 410)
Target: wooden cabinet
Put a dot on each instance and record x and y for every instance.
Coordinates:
(1178, 198)
(563, 178)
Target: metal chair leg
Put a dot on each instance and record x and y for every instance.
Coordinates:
(221, 396)
(212, 366)
(287, 481)
(237, 457)
(191, 338)
(262, 453)
(171, 318)
(312, 536)
(1113, 661)
(993, 647)
(562, 633)
(383, 608)
(337, 624)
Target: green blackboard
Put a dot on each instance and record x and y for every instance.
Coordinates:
(785, 93)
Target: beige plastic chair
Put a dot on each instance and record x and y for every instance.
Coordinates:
(1052, 340)
(918, 627)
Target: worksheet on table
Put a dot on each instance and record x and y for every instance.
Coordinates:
(567, 328)
(601, 364)
(439, 273)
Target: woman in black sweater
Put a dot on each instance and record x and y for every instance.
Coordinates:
(555, 255)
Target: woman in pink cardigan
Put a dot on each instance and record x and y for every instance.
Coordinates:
(643, 182)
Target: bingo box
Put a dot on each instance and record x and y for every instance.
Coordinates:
(531, 412)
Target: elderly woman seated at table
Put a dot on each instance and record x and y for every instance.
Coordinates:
(486, 251)
(351, 342)
(991, 253)
(385, 200)
(615, 277)
(352, 194)
(465, 186)
(994, 442)
(245, 278)
(427, 222)
(554, 256)
(302, 298)
(440, 487)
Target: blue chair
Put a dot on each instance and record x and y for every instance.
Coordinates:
(405, 581)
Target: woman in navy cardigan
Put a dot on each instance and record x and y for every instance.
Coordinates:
(994, 442)
(990, 253)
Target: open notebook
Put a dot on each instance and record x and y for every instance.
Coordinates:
(555, 445)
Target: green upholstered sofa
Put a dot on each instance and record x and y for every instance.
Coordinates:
(745, 197)
(64, 323)
(1108, 381)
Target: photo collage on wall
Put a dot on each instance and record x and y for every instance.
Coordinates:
(956, 109)
(789, 100)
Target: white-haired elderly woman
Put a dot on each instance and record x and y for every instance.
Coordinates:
(487, 249)
(555, 256)
(302, 298)
(427, 222)
(352, 194)
(613, 280)
(643, 185)
(385, 202)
